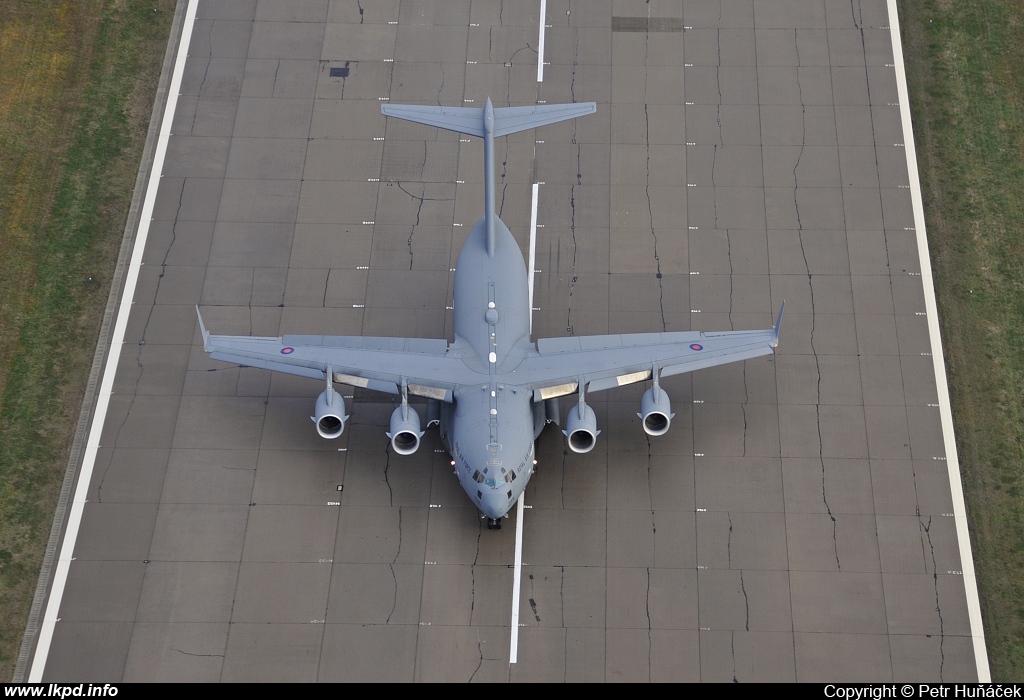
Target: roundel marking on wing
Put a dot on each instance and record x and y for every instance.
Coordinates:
(287, 351)
(697, 347)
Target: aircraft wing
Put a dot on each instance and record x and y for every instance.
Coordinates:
(606, 361)
(376, 363)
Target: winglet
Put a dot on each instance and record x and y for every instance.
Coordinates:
(778, 325)
(202, 327)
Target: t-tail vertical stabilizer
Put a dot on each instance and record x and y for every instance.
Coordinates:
(488, 123)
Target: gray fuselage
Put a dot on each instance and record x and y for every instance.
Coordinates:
(490, 427)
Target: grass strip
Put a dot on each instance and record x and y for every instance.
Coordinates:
(966, 77)
(77, 80)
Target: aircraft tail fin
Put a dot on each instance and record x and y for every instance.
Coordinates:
(202, 327)
(778, 323)
(470, 120)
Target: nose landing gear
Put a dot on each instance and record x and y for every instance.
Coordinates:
(493, 523)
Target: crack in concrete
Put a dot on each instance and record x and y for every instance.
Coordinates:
(743, 408)
(202, 84)
(575, 62)
(803, 135)
(650, 214)
(732, 650)
(394, 576)
(189, 653)
(647, 181)
(142, 340)
(647, 610)
(561, 485)
(728, 542)
(938, 606)
(561, 616)
(561, 595)
(419, 207)
(387, 464)
(480, 649)
(472, 602)
(572, 191)
(810, 286)
(746, 602)
(575, 277)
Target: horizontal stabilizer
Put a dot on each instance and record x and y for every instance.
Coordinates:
(465, 120)
(509, 120)
(470, 120)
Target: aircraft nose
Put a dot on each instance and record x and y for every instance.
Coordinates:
(494, 504)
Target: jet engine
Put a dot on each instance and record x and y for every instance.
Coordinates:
(656, 411)
(581, 428)
(330, 414)
(405, 430)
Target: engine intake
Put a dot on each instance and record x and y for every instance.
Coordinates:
(581, 430)
(405, 430)
(330, 414)
(656, 411)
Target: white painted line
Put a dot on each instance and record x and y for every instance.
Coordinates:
(533, 247)
(938, 362)
(117, 341)
(540, 42)
(517, 578)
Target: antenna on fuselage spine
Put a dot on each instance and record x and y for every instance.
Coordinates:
(488, 123)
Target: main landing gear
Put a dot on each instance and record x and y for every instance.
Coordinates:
(493, 523)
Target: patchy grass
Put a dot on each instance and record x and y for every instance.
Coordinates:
(967, 85)
(77, 80)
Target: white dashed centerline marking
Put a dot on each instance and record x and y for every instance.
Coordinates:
(533, 247)
(513, 654)
(517, 576)
(540, 42)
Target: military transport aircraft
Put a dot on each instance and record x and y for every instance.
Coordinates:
(492, 390)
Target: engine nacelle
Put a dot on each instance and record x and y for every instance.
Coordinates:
(656, 411)
(405, 430)
(330, 414)
(581, 430)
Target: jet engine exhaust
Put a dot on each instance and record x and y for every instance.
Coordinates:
(656, 411)
(581, 430)
(330, 414)
(405, 431)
